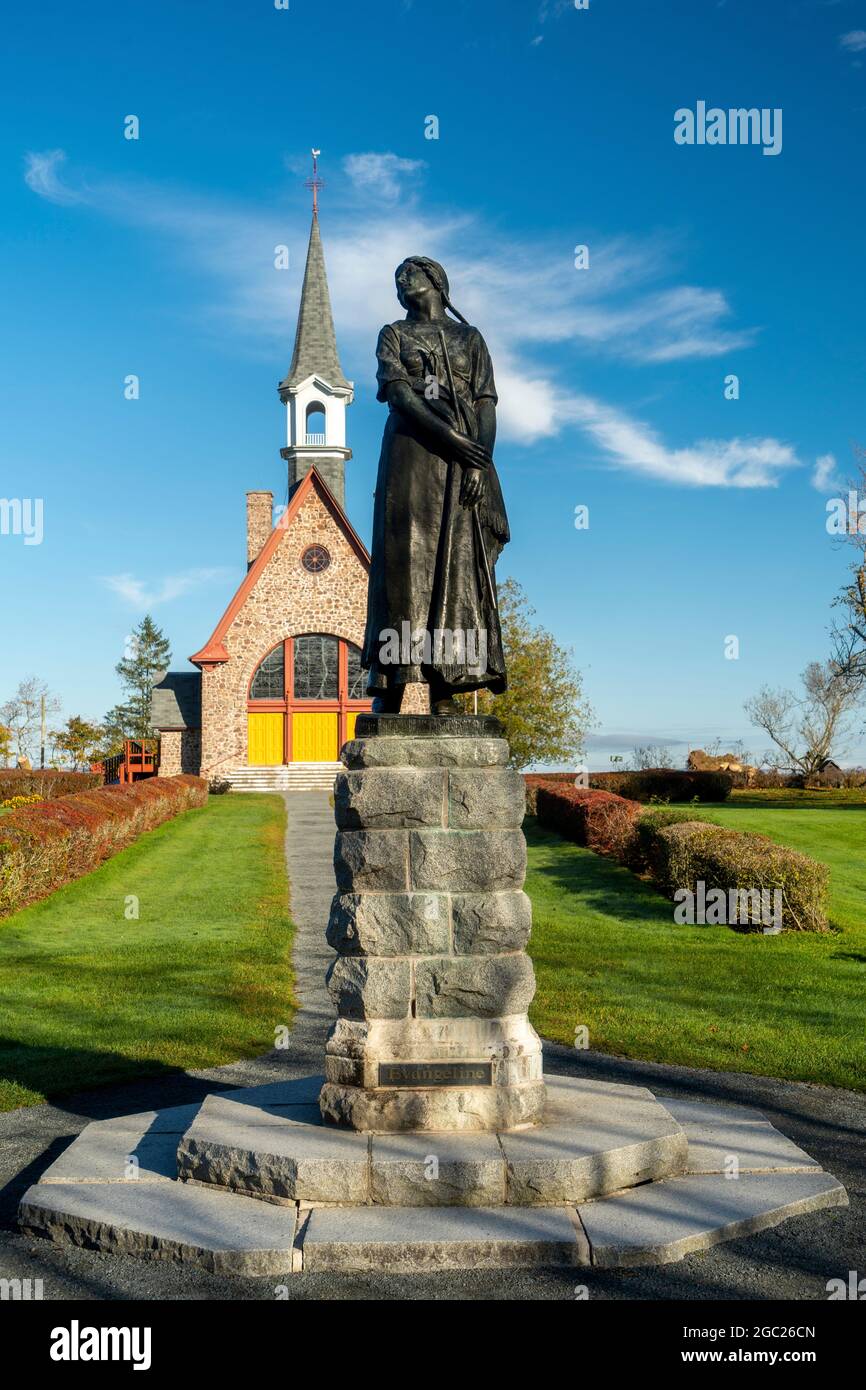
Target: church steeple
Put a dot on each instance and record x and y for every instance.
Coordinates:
(314, 390)
(315, 341)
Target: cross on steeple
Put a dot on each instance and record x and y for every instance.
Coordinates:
(315, 183)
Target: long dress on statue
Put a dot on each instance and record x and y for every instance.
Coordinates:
(428, 574)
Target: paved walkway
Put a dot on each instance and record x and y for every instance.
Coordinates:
(310, 864)
(793, 1261)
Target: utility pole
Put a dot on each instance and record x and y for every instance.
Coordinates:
(42, 732)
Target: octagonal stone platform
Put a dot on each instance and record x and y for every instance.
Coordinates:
(595, 1138)
(280, 1198)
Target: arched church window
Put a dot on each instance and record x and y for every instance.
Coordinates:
(357, 676)
(269, 680)
(315, 423)
(317, 667)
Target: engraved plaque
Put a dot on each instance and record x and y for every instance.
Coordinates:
(435, 1073)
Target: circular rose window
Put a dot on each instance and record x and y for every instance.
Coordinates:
(315, 559)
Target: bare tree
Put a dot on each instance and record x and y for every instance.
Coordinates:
(849, 632)
(22, 714)
(806, 728)
(650, 755)
(735, 748)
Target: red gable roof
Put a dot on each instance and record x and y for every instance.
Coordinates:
(214, 652)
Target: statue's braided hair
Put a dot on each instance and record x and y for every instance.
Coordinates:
(437, 277)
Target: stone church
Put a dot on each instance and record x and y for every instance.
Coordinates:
(279, 682)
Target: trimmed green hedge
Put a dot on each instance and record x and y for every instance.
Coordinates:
(649, 852)
(683, 856)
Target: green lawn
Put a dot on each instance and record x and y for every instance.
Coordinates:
(796, 799)
(201, 978)
(608, 955)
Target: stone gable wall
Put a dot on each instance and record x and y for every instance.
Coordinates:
(286, 601)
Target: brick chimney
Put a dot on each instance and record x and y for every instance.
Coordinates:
(260, 507)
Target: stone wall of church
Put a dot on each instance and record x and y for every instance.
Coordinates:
(286, 601)
(179, 751)
(169, 753)
(416, 699)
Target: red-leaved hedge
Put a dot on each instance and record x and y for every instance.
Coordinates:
(600, 820)
(49, 844)
(534, 780)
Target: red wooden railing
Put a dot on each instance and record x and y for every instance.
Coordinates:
(139, 759)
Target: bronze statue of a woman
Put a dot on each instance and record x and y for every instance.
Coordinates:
(439, 520)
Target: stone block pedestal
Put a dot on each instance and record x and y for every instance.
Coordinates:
(432, 980)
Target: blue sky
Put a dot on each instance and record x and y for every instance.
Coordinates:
(556, 129)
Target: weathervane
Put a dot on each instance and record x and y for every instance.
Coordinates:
(315, 183)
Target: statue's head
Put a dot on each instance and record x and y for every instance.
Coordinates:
(418, 278)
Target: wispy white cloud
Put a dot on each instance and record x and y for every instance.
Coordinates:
(824, 475)
(141, 594)
(631, 444)
(854, 41)
(41, 174)
(527, 296)
(381, 174)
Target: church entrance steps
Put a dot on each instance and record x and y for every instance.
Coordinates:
(253, 1182)
(291, 777)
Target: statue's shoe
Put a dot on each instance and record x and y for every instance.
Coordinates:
(446, 706)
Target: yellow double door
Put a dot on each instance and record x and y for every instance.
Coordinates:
(315, 737)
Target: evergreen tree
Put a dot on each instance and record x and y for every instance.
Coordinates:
(148, 654)
(116, 727)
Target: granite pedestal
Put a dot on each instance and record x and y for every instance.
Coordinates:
(432, 981)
